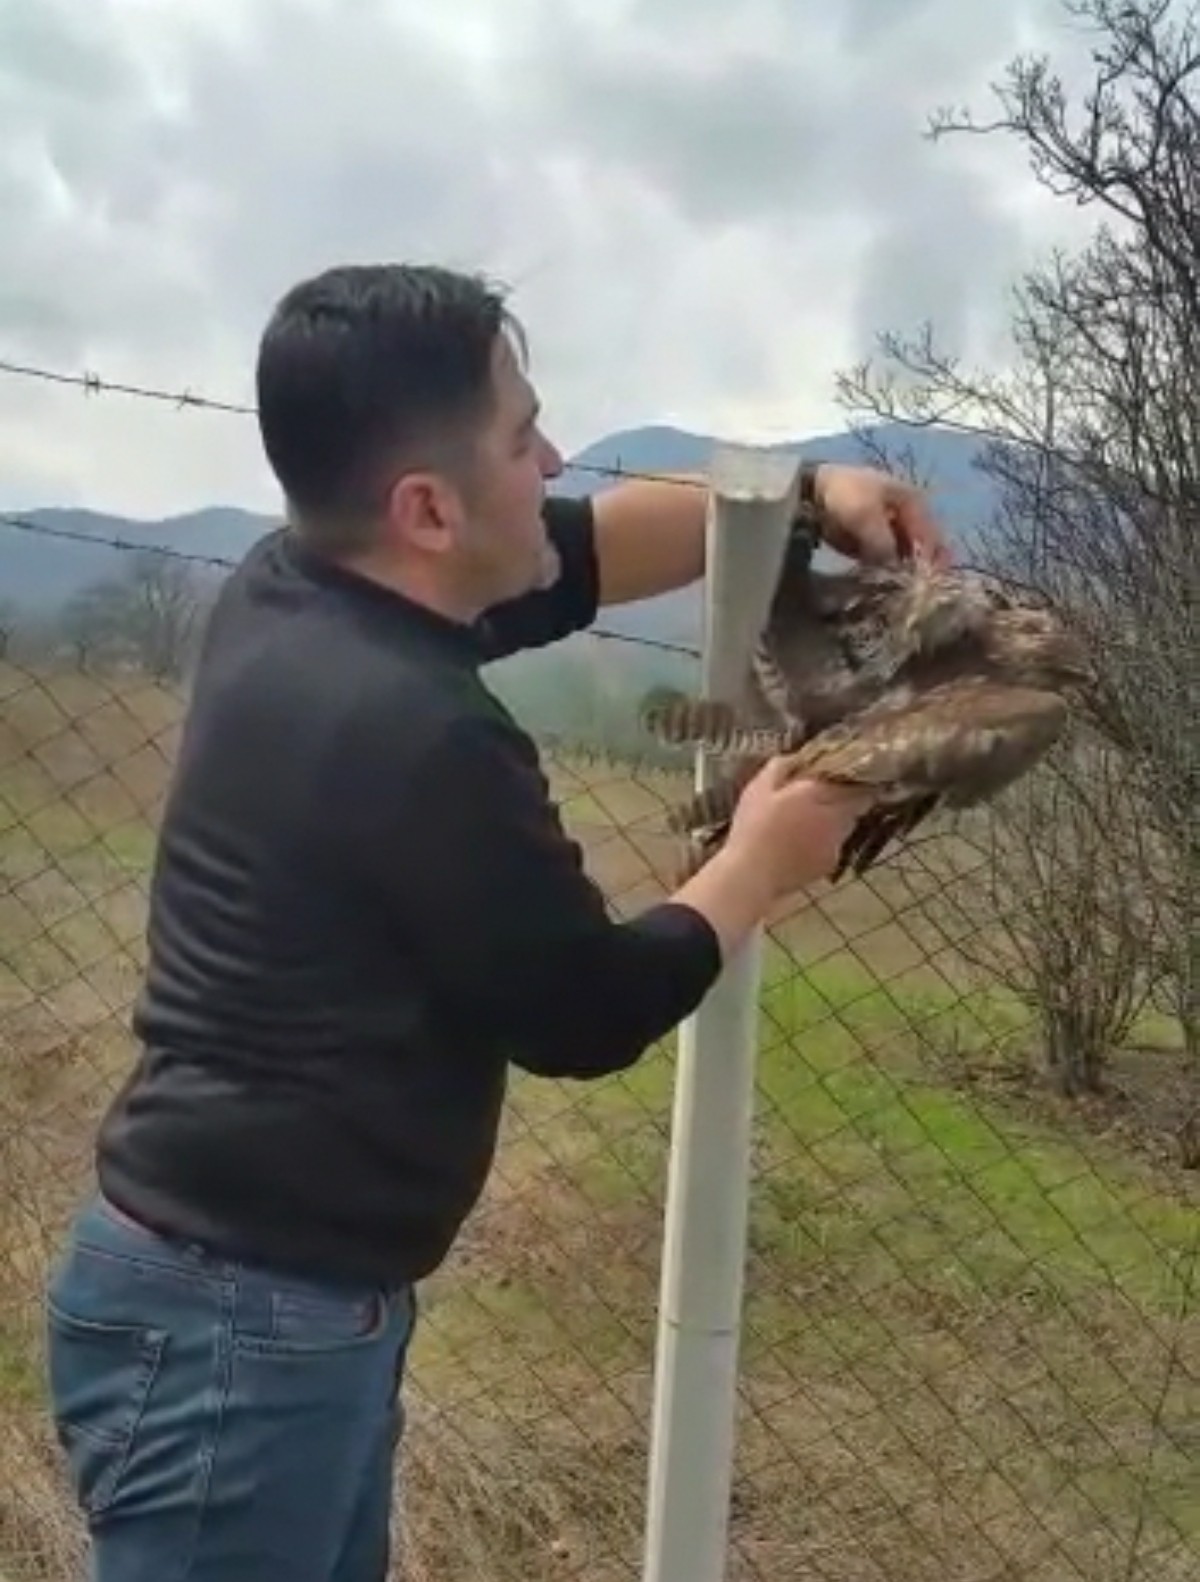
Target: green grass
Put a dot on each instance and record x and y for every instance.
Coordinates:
(20, 1383)
(966, 1308)
(846, 1103)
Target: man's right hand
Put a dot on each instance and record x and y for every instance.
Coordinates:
(785, 834)
(794, 829)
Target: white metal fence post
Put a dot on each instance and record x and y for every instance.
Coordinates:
(753, 496)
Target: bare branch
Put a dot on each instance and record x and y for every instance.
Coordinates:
(1093, 445)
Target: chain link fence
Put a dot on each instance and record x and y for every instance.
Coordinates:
(971, 1347)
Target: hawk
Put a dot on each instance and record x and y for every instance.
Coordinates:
(936, 688)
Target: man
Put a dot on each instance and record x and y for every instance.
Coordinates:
(364, 909)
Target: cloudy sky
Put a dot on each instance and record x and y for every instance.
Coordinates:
(704, 210)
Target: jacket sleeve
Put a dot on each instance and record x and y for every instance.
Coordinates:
(548, 614)
(505, 927)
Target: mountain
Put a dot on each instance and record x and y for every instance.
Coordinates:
(944, 461)
(40, 572)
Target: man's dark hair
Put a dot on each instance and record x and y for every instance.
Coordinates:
(363, 369)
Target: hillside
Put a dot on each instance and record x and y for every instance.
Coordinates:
(40, 574)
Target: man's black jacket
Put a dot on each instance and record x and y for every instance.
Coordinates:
(364, 907)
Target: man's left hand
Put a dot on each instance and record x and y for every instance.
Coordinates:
(875, 517)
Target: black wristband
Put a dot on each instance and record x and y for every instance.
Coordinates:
(807, 521)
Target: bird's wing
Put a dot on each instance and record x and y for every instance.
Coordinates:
(953, 747)
(964, 741)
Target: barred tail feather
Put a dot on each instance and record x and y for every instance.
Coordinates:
(677, 720)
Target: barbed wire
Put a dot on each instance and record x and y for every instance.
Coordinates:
(25, 524)
(94, 384)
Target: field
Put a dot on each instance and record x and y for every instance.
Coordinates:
(971, 1346)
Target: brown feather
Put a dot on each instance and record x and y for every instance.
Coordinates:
(935, 688)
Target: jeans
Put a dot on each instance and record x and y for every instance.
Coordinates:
(222, 1423)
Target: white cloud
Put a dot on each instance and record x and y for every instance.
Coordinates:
(705, 210)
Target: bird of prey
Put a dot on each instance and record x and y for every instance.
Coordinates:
(933, 687)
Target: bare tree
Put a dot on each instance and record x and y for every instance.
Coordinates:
(1063, 915)
(150, 616)
(163, 612)
(90, 624)
(1094, 439)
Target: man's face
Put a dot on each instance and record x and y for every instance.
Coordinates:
(474, 530)
(503, 550)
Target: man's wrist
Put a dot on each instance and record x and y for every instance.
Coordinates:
(734, 891)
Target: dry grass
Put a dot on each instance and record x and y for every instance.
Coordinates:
(963, 1309)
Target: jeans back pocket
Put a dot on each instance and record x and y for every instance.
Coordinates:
(100, 1376)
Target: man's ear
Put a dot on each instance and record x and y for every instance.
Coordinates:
(424, 511)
